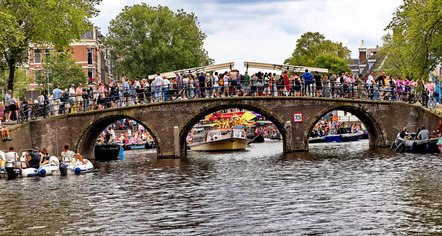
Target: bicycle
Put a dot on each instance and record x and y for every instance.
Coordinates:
(24, 114)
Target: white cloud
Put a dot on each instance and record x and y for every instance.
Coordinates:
(266, 31)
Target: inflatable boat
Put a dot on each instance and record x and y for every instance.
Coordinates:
(416, 146)
(78, 168)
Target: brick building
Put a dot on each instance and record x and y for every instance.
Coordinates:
(369, 60)
(89, 52)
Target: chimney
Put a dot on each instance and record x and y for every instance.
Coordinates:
(362, 52)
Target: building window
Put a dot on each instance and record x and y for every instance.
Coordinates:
(90, 73)
(37, 56)
(37, 76)
(89, 56)
(47, 52)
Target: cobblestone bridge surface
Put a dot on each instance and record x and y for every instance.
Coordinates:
(169, 122)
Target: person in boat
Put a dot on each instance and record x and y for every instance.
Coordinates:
(11, 155)
(439, 128)
(35, 158)
(67, 155)
(423, 134)
(78, 159)
(45, 156)
(403, 133)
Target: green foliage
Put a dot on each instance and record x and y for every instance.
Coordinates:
(41, 22)
(64, 70)
(149, 39)
(414, 48)
(332, 62)
(312, 45)
(21, 82)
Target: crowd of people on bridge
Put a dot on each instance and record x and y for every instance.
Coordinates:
(127, 92)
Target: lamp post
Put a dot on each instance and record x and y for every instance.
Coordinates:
(47, 72)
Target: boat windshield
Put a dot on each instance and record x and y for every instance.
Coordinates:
(239, 133)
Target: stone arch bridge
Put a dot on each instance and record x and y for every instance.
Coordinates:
(169, 122)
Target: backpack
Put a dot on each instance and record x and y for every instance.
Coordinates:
(65, 97)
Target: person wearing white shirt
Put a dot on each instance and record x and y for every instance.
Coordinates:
(215, 84)
(370, 82)
(158, 82)
(166, 84)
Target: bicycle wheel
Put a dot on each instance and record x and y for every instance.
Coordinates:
(20, 118)
(33, 115)
(431, 103)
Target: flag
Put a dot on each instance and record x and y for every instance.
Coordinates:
(99, 50)
(208, 117)
(247, 116)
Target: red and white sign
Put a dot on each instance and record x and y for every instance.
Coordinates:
(297, 117)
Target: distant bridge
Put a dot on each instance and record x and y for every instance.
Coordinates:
(169, 122)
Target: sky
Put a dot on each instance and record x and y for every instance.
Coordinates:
(267, 30)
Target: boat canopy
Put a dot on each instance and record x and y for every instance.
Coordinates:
(195, 70)
(279, 67)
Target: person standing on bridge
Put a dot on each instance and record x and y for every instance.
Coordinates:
(202, 84)
(307, 77)
(158, 83)
(57, 95)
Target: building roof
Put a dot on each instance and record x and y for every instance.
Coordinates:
(374, 61)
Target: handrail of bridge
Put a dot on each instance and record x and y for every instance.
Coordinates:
(92, 100)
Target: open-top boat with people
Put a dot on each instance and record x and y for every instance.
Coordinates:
(231, 139)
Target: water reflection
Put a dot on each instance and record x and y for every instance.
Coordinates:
(344, 189)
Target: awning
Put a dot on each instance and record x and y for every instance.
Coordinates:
(268, 66)
(171, 74)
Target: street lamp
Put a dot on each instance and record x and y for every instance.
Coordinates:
(47, 72)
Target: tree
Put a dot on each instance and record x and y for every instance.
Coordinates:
(149, 39)
(332, 62)
(392, 50)
(64, 70)
(40, 22)
(21, 82)
(416, 42)
(311, 45)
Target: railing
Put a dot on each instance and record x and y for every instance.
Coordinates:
(92, 100)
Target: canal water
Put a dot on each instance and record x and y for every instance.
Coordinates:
(335, 189)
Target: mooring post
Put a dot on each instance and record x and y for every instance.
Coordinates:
(176, 140)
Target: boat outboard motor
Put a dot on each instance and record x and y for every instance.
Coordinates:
(63, 169)
(10, 169)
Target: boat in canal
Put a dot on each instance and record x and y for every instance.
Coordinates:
(107, 151)
(412, 145)
(321, 139)
(350, 137)
(136, 146)
(227, 139)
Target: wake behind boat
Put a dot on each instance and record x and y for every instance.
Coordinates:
(232, 139)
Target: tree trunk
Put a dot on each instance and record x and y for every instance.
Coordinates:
(12, 69)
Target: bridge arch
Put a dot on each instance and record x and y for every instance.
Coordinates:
(376, 134)
(203, 112)
(86, 143)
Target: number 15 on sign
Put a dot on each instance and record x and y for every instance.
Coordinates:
(297, 117)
